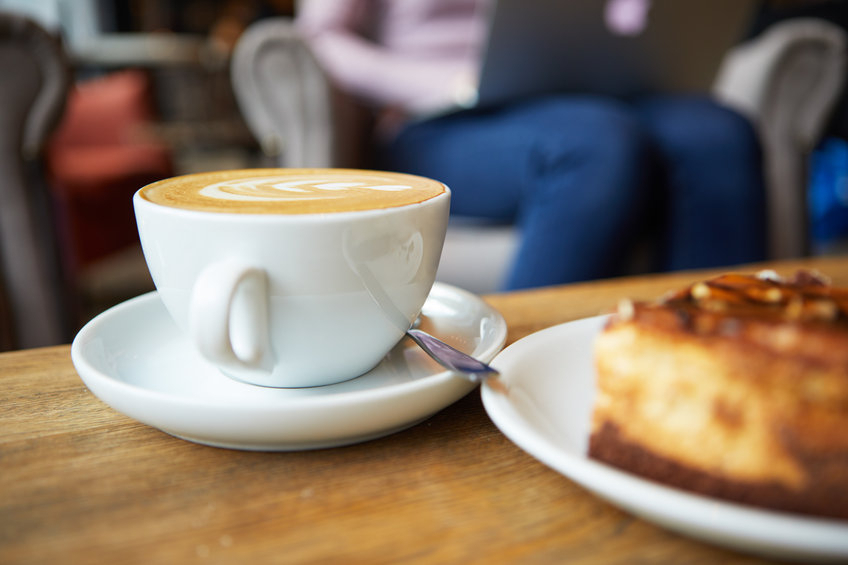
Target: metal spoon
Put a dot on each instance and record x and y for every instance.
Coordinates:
(454, 360)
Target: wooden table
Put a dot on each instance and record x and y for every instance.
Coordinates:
(80, 482)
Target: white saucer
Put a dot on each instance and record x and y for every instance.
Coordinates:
(134, 359)
(547, 413)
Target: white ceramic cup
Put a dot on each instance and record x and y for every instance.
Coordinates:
(301, 299)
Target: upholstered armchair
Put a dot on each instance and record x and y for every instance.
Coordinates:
(786, 80)
(33, 292)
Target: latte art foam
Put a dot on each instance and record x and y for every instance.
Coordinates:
(291, 191)
(275, 189)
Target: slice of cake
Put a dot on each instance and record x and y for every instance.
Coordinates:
(736, 387)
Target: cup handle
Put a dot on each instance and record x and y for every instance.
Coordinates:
(228, 315)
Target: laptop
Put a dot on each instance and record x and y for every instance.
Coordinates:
(606, 47)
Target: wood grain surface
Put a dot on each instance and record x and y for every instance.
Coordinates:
(81, 483)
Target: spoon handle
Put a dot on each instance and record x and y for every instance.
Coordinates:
(452, 359)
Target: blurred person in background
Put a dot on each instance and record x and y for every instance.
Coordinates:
(585, 177)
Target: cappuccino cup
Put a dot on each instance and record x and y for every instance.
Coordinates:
(293, 277)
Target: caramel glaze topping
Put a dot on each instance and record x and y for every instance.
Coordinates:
(804, 314)
(807, 297)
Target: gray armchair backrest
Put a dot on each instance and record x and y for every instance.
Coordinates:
(787, 81)
(283, 95)
(33, 90)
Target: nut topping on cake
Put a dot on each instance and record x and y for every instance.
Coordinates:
(807, 297)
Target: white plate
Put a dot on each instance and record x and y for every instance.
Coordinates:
(547, 413)
(134, 359)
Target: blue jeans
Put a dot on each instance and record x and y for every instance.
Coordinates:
(587, 178)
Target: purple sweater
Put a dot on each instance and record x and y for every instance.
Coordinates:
(407, 56)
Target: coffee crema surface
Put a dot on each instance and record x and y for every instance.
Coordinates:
(291, 191)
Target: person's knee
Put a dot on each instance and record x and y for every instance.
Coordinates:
(599, 150)
(589, 131)
(699, 126)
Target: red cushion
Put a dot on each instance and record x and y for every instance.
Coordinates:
(100, 155)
